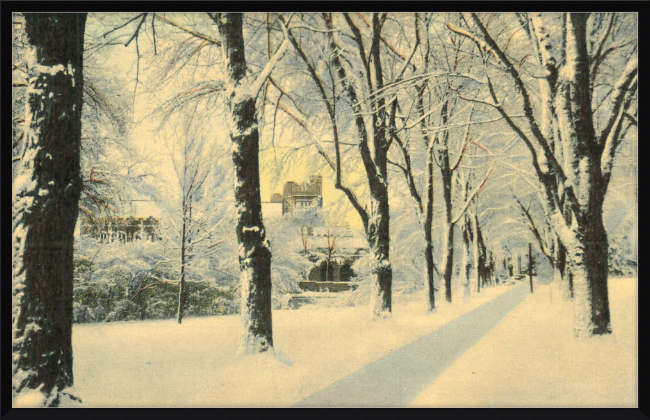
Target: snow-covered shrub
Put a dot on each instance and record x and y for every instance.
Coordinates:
(201, 298)
(82, 264)
(123, 282)
(622, 250)
(363, 266)
(288, 265)
(100, 296)
(125, 310)
(118, 274)
(161, 309)
(100, 313)
(165, 270)
(82, 314)
(286, 273)
(226, 306)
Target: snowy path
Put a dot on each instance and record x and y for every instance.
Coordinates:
(140, 363)
(532, 359)
(398, 378)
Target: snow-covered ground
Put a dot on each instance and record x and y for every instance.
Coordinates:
(531, 359)
(163, 364)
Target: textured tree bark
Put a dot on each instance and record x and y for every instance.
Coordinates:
(448, 258)
(530, 266)
(494, 279)
(446, 172)
(254, 251)
(425, 212)
(382, 274)
(484, 260)
(381, 288)
(586, 240)
(560, 273)
(428, 225)
(466, 264)
(47, 188)
(375, 164)
(476, 272)
(181, 289)
(588, 275)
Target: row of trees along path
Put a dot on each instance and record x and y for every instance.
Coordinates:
(571, 155)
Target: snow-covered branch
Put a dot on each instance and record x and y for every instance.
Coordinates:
(261, 79)
(619, 95)
(471, 197)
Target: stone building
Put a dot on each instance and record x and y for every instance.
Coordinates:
(327, 253)
(121, 229)
(297, 197)
(139, 220)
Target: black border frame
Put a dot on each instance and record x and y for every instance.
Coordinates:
(6, 9)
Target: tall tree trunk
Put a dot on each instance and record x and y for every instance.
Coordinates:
(530, 266)
(588, 275)
(382, 273)
(47, 188)
(586, 240)
(375, 163)
(181, 289)
(428, 225)
(448, 258)
(494, 279)
(254, 252)
(425, 213)
(428, 207)
(476, 273)
(560, 272)
(380, 298)
(466, 264)
(484, 261)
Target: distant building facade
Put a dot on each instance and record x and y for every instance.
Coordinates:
(121, 229)
(331, 251)
(139, 221)
(296, 197)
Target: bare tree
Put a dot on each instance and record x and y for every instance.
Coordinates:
(423, 208)
(572, 160)
(254, 253)
(196, 168)
(104, 125)
(373, 139)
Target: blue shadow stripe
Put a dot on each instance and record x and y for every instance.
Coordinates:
(399, 377)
